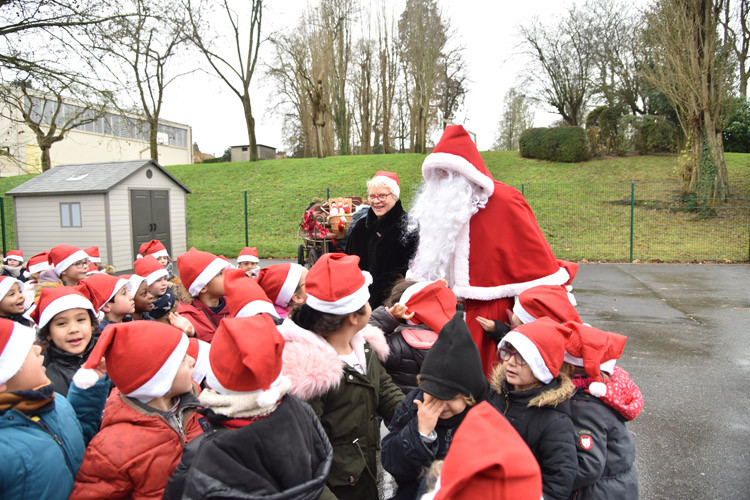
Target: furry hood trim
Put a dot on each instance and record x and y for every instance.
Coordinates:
(550, 397)
(312, 364)
(241, 405)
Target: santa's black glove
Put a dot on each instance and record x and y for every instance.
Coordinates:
(499, 332)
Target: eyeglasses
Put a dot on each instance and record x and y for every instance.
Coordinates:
(505, 355)
(81, 264)
(379, 197)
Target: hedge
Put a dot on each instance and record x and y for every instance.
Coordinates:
(561, 144)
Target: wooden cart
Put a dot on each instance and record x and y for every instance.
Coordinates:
(320, 231)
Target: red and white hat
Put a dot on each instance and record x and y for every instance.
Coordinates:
(134, 282)
(93, 253)
(571, 267)
(15, 342)
(93, 269)
(135, 375)
(336, 285)
(247, 364)
(390, 179)
(197, 268)
(6, 282)
(56, 300)
(100, 288)
(248, 254)
(551, 301)
(488, 459)
(14, 255)
(542, 345)
(63, 256)
(37, 264)
(596, 351)
(149, 268)
(244, 295)
(280, 281)
(432, 303)
(456, 152)
(154, 248)
(198, 350)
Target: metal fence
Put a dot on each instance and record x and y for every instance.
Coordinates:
(604, 221)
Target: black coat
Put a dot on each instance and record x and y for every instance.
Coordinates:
(285, 455)
(62, 365)
(542, 418)
(384, 249)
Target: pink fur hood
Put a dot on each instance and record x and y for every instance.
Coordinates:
(312, 364)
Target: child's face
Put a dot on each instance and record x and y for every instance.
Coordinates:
(247, 265)
(163, 261)
(183, 381)
(452, 406)
(144, 301)
(13, 302)
(70, 330)
(519, 375)
(13, 262)
(300, 295)
(159, 287)
(31, 375)
(121, 304)
(215, 287)
(75, 272)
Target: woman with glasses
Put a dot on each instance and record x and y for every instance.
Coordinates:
(380, 240)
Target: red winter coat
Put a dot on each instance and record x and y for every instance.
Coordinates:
(135, 452)
(203, 318)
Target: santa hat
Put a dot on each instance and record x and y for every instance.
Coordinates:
(56, 300)
(456, 152)
(432, 303)
(552, 301)
(139, 376)
(542, 345)
(248, 254)
(101, 287)
(150, 269)
(154, 248)
(36, 264)
(93, 253)
(93, 269)
(488, 459)
(247, 364)
(6, 282)
(390, 179)
(15, 342)
(14, 255)
(64, 256)
(596, 351)
(571, 267)
(244, 296)
(134, 282)
(197, 268)
(198, 350)
(280, 281)
(336, 285)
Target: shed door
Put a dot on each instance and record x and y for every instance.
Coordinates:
(150, 217)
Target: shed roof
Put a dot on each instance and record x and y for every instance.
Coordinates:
(85, 178)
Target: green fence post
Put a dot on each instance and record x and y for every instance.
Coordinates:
(523, 189)
(632, 215)
(2, 221)
(328, 192)
(247, 240)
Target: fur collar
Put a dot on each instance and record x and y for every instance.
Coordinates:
(552, 396)
(240, 405)
(312, 364)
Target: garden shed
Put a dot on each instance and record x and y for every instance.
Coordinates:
(114, 205)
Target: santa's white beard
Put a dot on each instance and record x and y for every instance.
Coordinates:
(441, 208)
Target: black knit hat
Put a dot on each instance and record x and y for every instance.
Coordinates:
(452, 364)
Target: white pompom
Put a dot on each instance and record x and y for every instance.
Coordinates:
(85, 378)
(597, 389)
(268, 398)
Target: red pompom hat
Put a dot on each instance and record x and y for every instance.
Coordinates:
(99, 288)
(37, 264)
(596, 351)
(542, 345)
(6, 282)
(14, 255)
(244, 363)
(198, 350)
(197, 268)
(93, 253)
(390, 179)
(336, 284)
(280, 281)
(149, 269)
(64, 256)
(139, 376)
(56, 300)
(15, 342)
(248, 254)
(155, 248)
(551, 301)
(244, 295)
(432, 302)
(488, 459)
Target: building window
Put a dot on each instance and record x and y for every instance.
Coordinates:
(70, 215)
(244, 149)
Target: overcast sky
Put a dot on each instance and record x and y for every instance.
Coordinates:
(488, 29)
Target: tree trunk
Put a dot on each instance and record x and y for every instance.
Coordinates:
(250, 123)
(153, 129)
(720, 184)
(46, 159)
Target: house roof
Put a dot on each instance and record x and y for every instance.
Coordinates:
(247, 146)
(86, 178)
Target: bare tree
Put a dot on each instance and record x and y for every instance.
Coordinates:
(736, 25)
(451, 85)
(388, 56)
(517, 117)
(364, 93)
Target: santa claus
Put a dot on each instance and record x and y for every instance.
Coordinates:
(479, 234)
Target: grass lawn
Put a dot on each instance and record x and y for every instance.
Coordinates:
(583, 208)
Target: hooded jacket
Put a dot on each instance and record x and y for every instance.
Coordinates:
(203, 318)
(542, 418)
(62, 365)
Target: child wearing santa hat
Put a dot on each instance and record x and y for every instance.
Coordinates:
(203, 276)
(332, 356)
(535, 398)
(110, 295)
(165, 300)
(12, 300)
(248, 260)
(143, 300)
(156, 249)
(245, 297)
(42, 437)
(411, 318)
(250, 413)
(284, 284)
(604, 400)
(451, 382)
(149, 417)
(13, 265)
